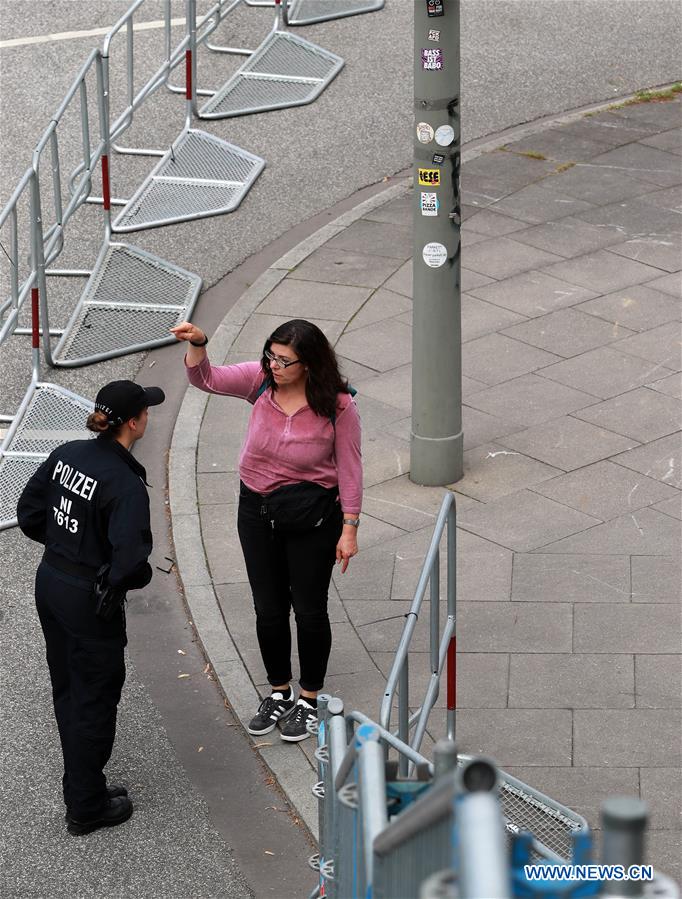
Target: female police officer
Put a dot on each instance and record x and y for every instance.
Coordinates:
(88, 504)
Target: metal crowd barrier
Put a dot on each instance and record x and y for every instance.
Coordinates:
(443, 834)
(48, 415)
(199, 175)
(311, 12)
(16, 257)
(131, 298)
(362, 821)
(442, 646)
(284, 71)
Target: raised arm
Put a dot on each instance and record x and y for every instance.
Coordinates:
(241, 380)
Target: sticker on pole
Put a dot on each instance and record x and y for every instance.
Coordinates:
(432, 59)
(434, 8)
(429, 177)
(434, 255)
(434, 35)
(445, 135)
(429, 203)
(424, 133)
(438, 159)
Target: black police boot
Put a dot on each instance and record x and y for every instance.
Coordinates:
(112, 792)
(115, 811)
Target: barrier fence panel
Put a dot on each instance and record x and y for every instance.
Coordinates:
(442, 646)
(310, 12)
(131, 298)
(48, 415)
(285, 70)
(447, 834)
(199, 175)
(17, 275)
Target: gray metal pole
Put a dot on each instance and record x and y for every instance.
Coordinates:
(436, 450)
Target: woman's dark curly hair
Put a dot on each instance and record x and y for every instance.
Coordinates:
(324, 379)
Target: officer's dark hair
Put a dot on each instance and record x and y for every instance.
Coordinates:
(98, 422)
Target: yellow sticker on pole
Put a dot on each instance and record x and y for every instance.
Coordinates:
(429, 177)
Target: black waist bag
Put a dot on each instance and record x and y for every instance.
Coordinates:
(297, 507)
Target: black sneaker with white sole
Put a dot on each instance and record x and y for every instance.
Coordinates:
(295, 727)
(269, 712)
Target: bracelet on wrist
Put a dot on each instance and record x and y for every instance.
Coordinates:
(202, 343)
(354, 522)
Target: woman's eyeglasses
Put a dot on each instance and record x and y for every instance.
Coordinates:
(279, 362)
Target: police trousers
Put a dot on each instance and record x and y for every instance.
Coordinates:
(87, 670)
(289, 569)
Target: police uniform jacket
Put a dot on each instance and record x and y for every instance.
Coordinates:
(88, 504)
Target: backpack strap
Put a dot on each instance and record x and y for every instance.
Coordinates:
(332, 418)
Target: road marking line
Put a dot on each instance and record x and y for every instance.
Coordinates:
(72, 35)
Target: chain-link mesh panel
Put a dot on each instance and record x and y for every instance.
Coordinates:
(246, 93)
(119, 309)
(549, 826)
(286, 54)
(201, 156)
(128, 275)
(52, 418)
(106, 329)
(307, 12)
(280, 60)
(14, 473)
(176, 190)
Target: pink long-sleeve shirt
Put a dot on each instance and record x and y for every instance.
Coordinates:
(284, 449)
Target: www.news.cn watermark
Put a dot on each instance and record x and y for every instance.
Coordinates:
(588, 872)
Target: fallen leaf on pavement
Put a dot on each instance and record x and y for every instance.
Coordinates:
(258, 745)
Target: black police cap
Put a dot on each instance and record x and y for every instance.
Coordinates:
(121, 400)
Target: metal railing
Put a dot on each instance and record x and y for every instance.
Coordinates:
(131, 298)
(312, 12)
(47, 415)
(442, 645)
(16, 257)
(283, 71)
(446, 833)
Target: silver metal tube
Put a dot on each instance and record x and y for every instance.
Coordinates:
(391, 739)
(394, 674)
(444, 758)
(372, 783)
(434, 595)
(85, 123)
(403, 646)
(480, 844)
(38, 264)
(404, 712)
(14, 256)
(623, 824)
(451, 650)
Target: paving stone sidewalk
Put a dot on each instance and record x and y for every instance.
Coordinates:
(569, 509)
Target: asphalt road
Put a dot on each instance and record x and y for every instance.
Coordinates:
(520, 60)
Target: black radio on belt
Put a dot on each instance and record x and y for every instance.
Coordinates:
(109, 599)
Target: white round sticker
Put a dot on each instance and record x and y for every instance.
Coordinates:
(424, 132)
(445, 135)
(434, 254)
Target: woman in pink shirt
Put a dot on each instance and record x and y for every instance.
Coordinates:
(300, 496)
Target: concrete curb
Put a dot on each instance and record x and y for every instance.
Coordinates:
(212, 629)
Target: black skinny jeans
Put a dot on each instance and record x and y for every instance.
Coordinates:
(87, 670)
(289, 569)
